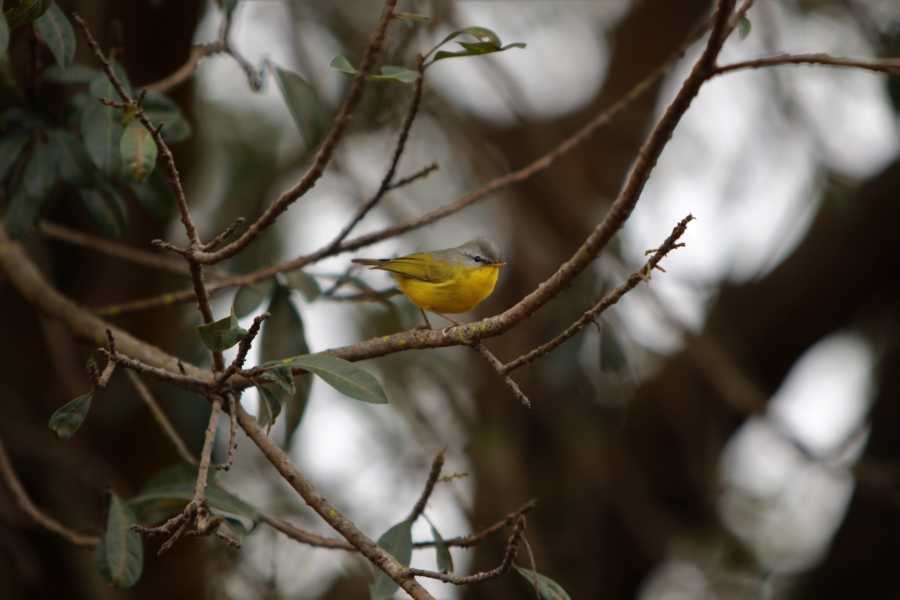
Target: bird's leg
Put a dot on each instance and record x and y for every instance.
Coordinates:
(427, 322)
(455, 323)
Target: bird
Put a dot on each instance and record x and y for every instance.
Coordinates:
(449, 281)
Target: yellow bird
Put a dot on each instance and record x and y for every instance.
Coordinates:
(454, 280)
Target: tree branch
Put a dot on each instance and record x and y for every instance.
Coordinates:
(161, 419)
(28, 507)
(884, 65)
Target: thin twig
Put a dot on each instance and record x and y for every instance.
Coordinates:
(500, 368)
(606, 301)
(185, 71)
(388, 178)
(323, 155)
(421, 173)
(433, 476)
(28, 507)
(161, 419)
(243, 349)
(883, 65)
(186, 381)
(468, 541)
(512, 547)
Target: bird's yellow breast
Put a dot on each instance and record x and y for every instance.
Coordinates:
(467, 287)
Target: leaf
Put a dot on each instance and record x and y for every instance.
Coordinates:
(162, 110)
(344, 376)
(71, 74)
(11, 146)
(105, 210)
(303, 102)
(304, 283)
(138, 150)
(744, 27)
(411, 18)
(40, 173)
(612, 354)
(282, 376)
(4, 35)
(155, 195)
(172, 488)
(21, 214)
(67, 419)
(270, 403)
(444, 558)
(395, 73)
(122, 546)
(342, 64)
(101, 129)
(25, 12)
(546, 588)
(388, 72)
(54, 29)
(249, 297)
(283, 334)
(74, 165)
(222, 334)
(487, 42)
(398, 541)
(102, 87)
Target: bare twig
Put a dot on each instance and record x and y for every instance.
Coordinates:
(323, 155)
(433, 476)
(185, 71)
(608, 300)
(501, 370)
(512, 547)
(421, 173)
(884, 65)
(24, 501)
(468, 541)
(161, 419)
(388, 178)
(243, 348)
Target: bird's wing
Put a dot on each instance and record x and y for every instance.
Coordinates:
(418, 266)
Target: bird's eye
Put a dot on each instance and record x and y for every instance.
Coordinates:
(478, 259)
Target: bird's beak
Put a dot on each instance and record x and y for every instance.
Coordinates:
(500, 263)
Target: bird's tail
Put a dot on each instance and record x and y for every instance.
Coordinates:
(369, 262)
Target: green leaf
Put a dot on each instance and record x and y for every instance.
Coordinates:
(344, 376)
(122, 546)
(411, 18)
(40, 173)
(249, 297)
(270, 402)
(342, 64)
(486, 42)
(156, 196)
(105, 210)
(398, 541)
(75, 166)
(303, 283)
(4, 35)
(172, 488)
(222, 334)
(71, 74)
(11, 145)
(25, 11)
(162, 110)
(303, 102)
(612, 354)
(102, 87)
(444, 558)
(744, 27)
(282, 376)
(101, 129)
(67, 419)
(395, 73)
(21, 214)
(283, 334)
(544, 587)
(138, 150)
(54, 29)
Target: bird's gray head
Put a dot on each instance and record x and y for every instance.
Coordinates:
(479, 252)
